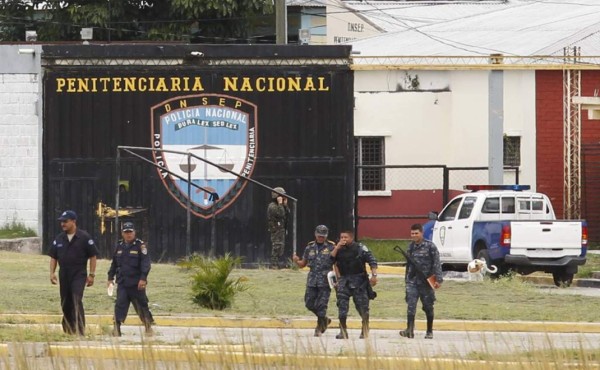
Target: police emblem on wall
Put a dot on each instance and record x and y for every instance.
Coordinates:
(219, 128)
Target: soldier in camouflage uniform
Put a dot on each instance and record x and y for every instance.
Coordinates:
(317, 257)
(277, 216)
(350, 258)
(427, 258)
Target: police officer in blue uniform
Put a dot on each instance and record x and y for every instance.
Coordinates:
(131, 265)
(350, 258)
(426, 259)
(317, 257)
(71, 250)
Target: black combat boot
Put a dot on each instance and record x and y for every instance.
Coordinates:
(429, 333)
(364, 332)
(319, 326)
(322, 324)
(410, 328)
(116, 329)
(148, 327)
(343, 330)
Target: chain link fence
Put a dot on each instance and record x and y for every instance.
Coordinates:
(391, 197)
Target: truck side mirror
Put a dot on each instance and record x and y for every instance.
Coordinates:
(432, 216)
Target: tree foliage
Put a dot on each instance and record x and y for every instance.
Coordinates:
(132, 20)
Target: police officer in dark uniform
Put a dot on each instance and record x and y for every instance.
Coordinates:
(350, 258)
(426, 257)
(277, 218)
(71, 250)
(317, 257)
(131, 265)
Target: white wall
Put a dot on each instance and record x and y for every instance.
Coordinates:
(20, 137)
(443, 119)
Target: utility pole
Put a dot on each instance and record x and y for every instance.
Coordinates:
(281, 22)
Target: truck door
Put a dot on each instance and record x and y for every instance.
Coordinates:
(462, 231)
(444, 226)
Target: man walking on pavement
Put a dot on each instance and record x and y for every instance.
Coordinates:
(317, 257)
(350, 258)
(71, 250)
(426, 259)
(131, 265)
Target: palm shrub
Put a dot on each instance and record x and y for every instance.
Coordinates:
(211, 286)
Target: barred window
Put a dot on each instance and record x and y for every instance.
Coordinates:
(369, 151)
(512, 150)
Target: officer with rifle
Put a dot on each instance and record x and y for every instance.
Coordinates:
(423, 275)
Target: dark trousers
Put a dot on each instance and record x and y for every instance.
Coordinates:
(139, 299)
(72, 284)
(316, 299)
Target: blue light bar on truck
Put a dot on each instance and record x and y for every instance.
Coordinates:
(497, 187)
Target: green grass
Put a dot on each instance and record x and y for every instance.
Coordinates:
(383, 250)
(15, 230)
(26, 288)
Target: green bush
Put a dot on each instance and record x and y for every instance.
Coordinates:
(15, 229)
(211, 286)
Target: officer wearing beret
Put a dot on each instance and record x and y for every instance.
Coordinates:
(317, 257)
(71, 250)
(131, 265)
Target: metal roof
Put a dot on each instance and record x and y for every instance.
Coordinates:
(515, 27)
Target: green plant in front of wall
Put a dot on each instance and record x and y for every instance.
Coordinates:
(15, 229)
(211, 285)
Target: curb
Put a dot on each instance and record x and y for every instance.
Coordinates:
(309, 323)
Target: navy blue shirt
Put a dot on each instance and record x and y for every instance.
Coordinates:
(130, 263)
(73, 255)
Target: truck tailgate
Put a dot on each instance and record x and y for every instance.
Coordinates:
(545, 239)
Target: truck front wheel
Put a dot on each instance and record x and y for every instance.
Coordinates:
(562, 278)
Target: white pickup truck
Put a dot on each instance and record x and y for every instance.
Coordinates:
(509, 227)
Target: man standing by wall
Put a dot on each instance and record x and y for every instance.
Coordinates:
(131, 264)
(317, 257)
(426, 259)
(71, 250)
(277, 218)
(350, 258)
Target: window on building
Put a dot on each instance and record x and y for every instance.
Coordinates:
(512, 150)
(369, 151)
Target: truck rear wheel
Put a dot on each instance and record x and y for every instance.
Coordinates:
(562, 279)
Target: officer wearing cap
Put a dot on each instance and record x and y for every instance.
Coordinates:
(277, 218)
(71, 250)
(131, 265)
(317, 257)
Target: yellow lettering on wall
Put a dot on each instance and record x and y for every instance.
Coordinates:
(260, 84)
(71, 85)
(322, 86)
(60, 83)
(310, 85)
(237, 104)
(293, 84)
(183, 103)
(142, 84)
(117, 84)
(167, 107)
(246, 85)
(197, 84)
(175, 84)
(162, 86)
(230, 83)
(222, 102)
(104, 81)
(129, 83)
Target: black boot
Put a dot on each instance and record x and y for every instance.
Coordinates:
(322, 324)
(148, 327)
(364, 332)
(410, 328)
(116, 329)
(343, 330)
(319, 326)
(429, 334)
